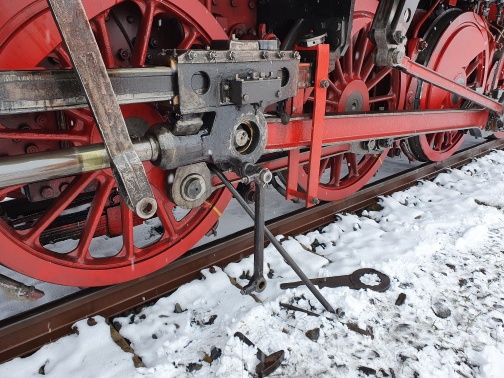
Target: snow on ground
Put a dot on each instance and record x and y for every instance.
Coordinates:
(234, 219)
(439, 242)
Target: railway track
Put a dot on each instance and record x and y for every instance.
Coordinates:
(28, 331)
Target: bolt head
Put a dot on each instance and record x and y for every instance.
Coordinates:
(193, 187)
(124, 54)
(31, 149)
(241, 138)
(47, 192)
(314, 201)
(397, 57)
(41, 120)
(324, 84)
(246, 97)
(265, 55)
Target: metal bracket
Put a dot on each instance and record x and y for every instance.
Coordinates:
(388, 32)
(128, 170)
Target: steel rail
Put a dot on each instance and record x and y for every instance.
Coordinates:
(26, 332)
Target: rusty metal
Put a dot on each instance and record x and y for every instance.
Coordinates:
(276, 243)
(18, 290)
(258, 283)
(268, 363)
(295, 308)
(128, 170)
(352, 281)
(27, 332)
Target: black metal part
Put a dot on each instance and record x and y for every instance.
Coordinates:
(268, 363)
(352, 281)
(295, 308)
(36, 91)
(258, 282)
(236, 73)
(275, 242)
(333, 17)
(84, 52)
(388, 32)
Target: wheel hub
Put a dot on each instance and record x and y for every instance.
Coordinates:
(355, 97)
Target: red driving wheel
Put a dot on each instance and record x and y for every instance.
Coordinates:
(356, 84)
(458, 48)
(77, 231)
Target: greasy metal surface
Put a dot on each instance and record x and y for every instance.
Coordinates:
(352, 281)
(28, 332)
(24, 169)
(129, 171)
(34, 91)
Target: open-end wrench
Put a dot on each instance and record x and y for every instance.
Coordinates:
(269, 363)
(353, 281)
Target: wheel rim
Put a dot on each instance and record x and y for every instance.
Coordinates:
(458, 49)
(356, 85)
(127, 247)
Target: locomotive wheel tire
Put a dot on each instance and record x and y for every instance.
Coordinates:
(458, 49)
(29, 39)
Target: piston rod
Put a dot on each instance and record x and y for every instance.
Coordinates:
(25, 169)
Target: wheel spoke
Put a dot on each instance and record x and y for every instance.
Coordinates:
(323, 167)
(189, 38)
(63, 57)
(474, 64)
(103, 40)
(387, 97)
(127, 231)
(334, 88)
(380, 75)
(353, 167)
(164, 212)
(340, 77)
(361, 50)
(368, 65)
(93, 219)
(336, 169)
(143, 35)
(348, 59)
(438, 141)
(62, 202)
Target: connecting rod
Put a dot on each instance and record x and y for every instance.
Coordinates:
(128, 170)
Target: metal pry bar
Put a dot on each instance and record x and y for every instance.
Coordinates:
(273, 241)
(128, 170)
